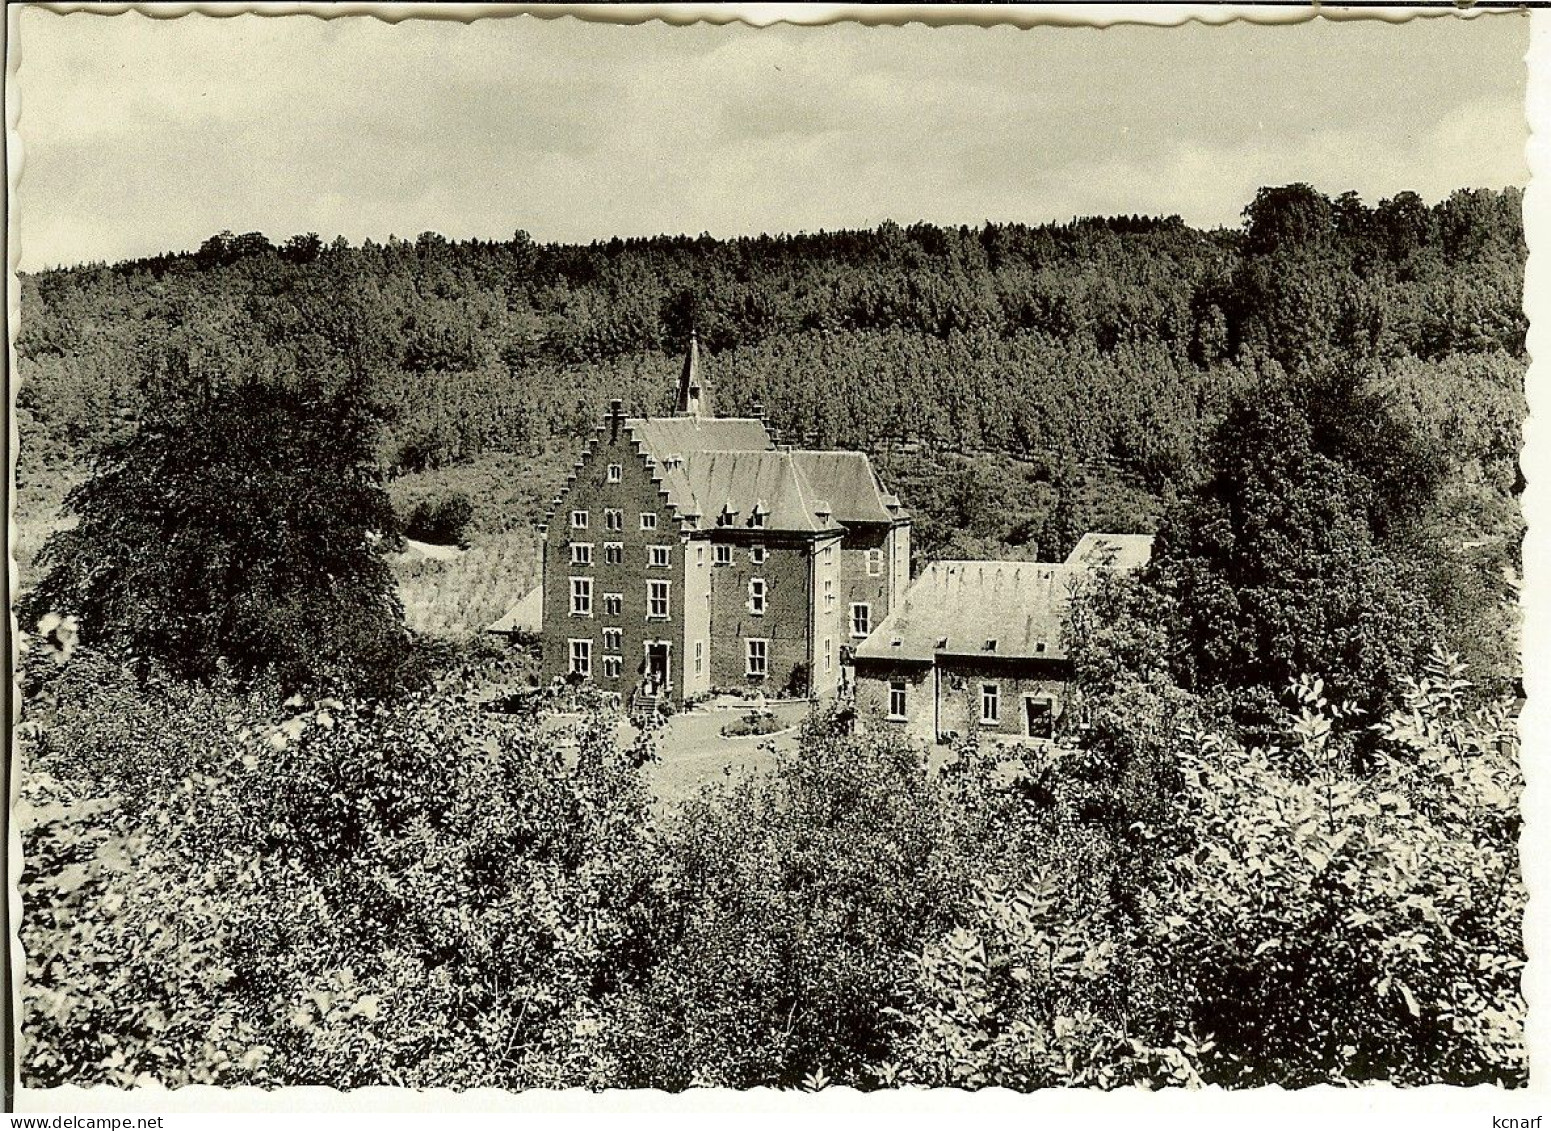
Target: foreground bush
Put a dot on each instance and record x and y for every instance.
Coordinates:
(419, 893)
(410, 894)
(1336, 912)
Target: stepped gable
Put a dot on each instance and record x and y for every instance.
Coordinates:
(671, 442)
(707, 466)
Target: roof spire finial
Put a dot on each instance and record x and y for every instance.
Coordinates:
(694, 399)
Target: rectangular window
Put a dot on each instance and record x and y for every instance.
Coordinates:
(829, 552)
(612, 665)
(581, 553)
(874, 563)
(861, 619)
(659, 556)
(648, 521)
(699, 655)
(613, 553)
(581, 657)
(579, 520)
(613, 639)
(613, 518)
(829, 594)
(616, 472)
(990, 704)
(756, 657)
(757, 596)
(829, 655)
(757, 555)
(722, 555)
(613, 604)
(656, 600)
(700, 555)
(897, 699)
(581, 596)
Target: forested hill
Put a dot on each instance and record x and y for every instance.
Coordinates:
(1103, 341)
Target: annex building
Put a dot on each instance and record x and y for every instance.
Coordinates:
(977, 645)
(693, 553)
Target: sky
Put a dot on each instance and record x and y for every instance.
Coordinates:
(144, 135)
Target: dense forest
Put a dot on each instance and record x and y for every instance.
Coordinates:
(1093, 341)
(274, 833)
(1017, 384)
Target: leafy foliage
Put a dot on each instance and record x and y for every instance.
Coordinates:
(1278, 561)
(234, 529)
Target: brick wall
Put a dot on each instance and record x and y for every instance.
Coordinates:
(593, 491)
(960, 681)
(784, 624)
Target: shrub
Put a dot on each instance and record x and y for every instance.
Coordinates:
(753, 723)
(789, 896)
(409, 893)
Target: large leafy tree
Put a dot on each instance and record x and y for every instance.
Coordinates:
(235, 529)
(1280, 560)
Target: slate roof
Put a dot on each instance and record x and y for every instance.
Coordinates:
(708, 464)
(743, 481)
(1008, 610)
(958, 608)
(847, 482)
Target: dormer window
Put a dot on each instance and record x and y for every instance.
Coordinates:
(990, 646)
(757, 517)
(728, 517)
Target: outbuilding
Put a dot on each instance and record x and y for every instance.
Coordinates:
(978, 645)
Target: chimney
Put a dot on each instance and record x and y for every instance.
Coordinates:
(616, 418)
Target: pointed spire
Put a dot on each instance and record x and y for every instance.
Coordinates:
(694, 399)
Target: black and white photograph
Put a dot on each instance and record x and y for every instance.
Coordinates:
(550, 551)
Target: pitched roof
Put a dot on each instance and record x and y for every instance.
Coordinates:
(671, 441)
(1114, 551)
(741, 482)
(526, 615)
(848, 483)
(996, 609)
(959, 608)
(710, 463)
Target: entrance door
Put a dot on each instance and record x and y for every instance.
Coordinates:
(1040, 715)
(656, 667)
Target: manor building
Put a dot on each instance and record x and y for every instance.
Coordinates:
(693, 553)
